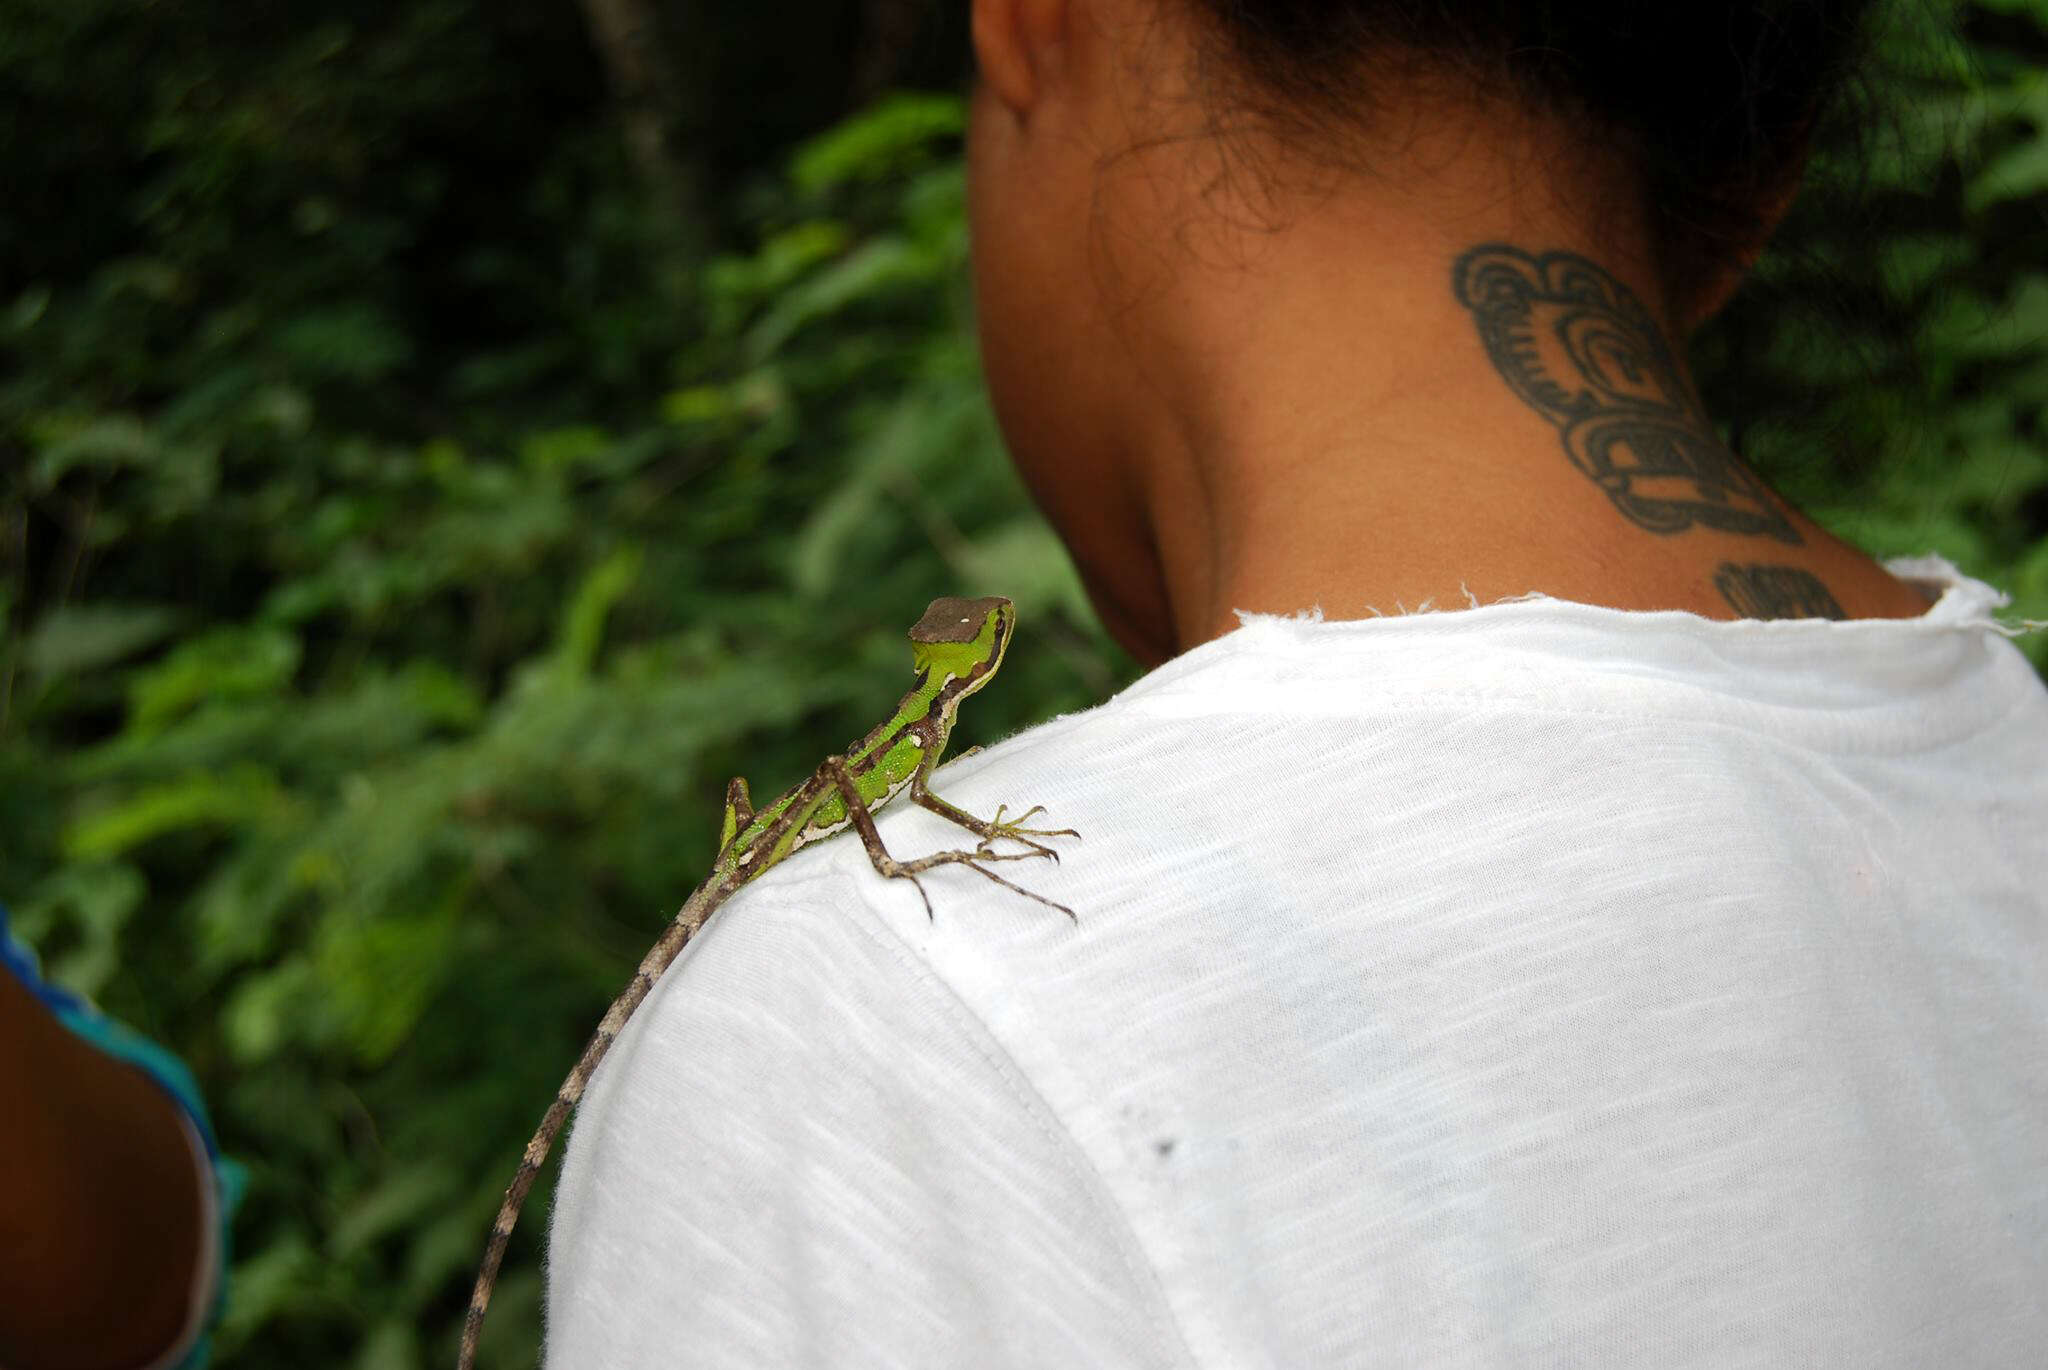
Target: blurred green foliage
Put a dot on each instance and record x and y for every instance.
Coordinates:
(1887, 364)
(406, 531)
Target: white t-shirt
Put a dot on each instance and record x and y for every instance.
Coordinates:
(1530, 985)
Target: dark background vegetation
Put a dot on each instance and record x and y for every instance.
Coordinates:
(441, 441)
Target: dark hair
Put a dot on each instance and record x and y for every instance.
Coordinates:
(1715, 97)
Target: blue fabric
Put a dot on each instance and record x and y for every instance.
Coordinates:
(117, 1040)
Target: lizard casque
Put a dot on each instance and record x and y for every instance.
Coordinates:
(955, 649)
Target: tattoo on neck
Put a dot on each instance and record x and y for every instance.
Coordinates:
(1760, 590)
(1580, 349)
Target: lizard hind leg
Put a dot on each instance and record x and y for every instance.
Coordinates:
(739, 811)
(885, 864)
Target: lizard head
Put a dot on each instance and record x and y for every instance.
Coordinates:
(962, 640)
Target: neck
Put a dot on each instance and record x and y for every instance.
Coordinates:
(1323, 416)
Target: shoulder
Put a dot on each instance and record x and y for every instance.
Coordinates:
(804, 1111)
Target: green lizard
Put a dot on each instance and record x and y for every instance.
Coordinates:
(955, 648)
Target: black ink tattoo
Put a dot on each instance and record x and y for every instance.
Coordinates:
(1580, 349)
(1759, 590)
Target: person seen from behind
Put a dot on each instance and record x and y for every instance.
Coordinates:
(1639, 958)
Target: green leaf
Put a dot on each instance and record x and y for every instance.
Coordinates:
(398, 1203)
(858, 508)
(27, 309)
(90, 903)
(583, 623)
(741, 283)
(2037, 10)
(2018, 173)
(442, 1249)
(378, 973)
(271, 1008)
(393, 1344)
(117, 440)
(243, 903)
(228, 663)
(880, 141)
(564, 449)
(875, 268)
(1023, 560)
(265, 1284)
(243, 794)
(353, 342)
(80, 638)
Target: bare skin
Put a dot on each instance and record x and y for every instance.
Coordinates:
(99, 1201)
(1259, 389)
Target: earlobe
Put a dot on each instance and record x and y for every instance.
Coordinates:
(1017, 43)
(1724, 277)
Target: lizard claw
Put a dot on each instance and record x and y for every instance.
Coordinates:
(1015, 830)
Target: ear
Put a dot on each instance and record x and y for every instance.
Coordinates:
(1017, 44)
(1718, 282)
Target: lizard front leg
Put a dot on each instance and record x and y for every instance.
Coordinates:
(885, 864)
(988, 829)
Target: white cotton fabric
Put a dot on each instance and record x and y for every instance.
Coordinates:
(1531, 985)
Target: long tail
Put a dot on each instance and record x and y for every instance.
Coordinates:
(678, 934)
